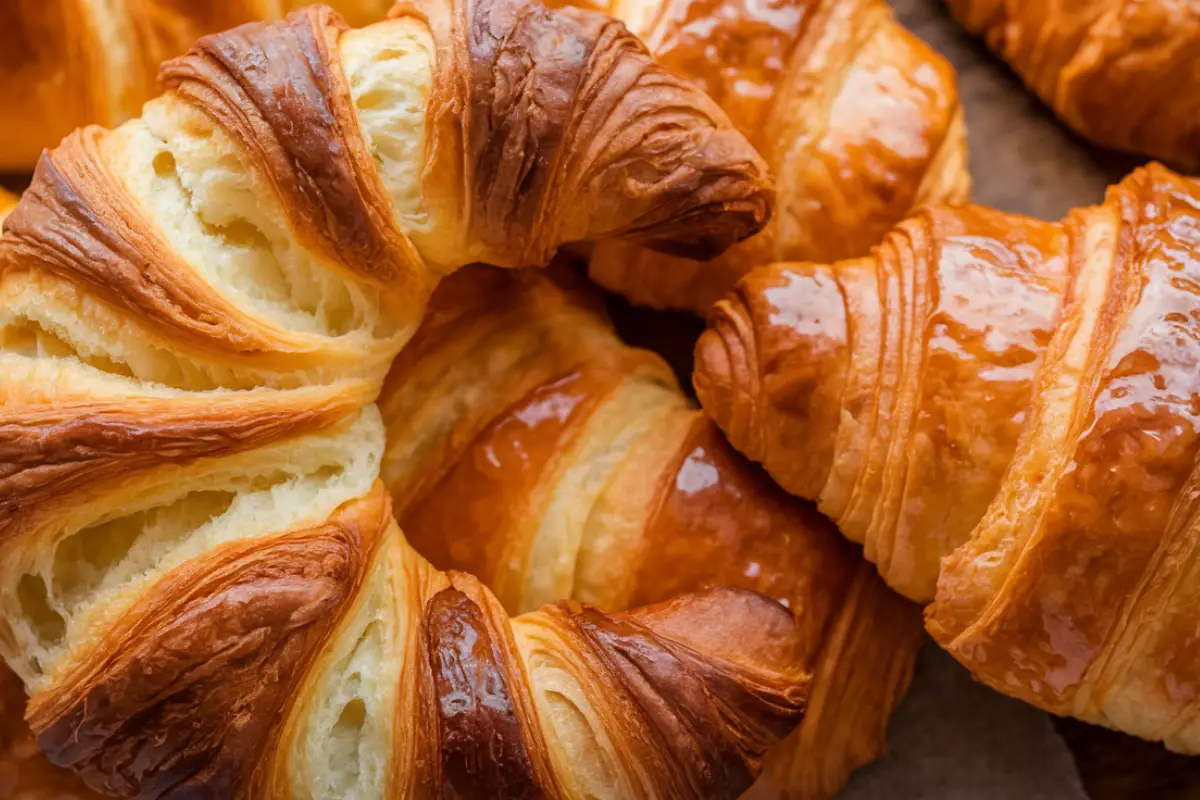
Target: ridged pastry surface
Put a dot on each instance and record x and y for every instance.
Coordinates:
(529, 446)
(1120, 73)
(881, 386)
(202, 585)
(858, 120)
(1004, 412)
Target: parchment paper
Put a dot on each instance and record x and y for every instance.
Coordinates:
(954, 739)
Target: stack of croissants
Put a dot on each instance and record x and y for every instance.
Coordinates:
(324, 475)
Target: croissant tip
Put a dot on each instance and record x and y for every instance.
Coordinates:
(722, 376)
(708, 229)
(713, 370)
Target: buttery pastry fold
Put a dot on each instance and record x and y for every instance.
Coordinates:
(529, 446)
(24, 770)
(1041, 375)
(858, 120)
(1122, 74)
(201, 583)
(220, 634)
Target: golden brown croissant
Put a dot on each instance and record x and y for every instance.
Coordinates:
(1016, 400)
(858, 119)
(529, 446)
(1120, 73)
(892, 389)
(201, 584)
(245, 639)
(69, 63)
(416, 147)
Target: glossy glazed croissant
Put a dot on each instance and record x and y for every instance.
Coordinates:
(858, 119)
(1120, 73)
(1014, 399)
(69, 63)
(529, 446)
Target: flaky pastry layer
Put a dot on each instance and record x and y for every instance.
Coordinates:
(1004, 411)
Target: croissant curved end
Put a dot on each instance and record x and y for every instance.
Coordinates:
(719, 673)
(774, 404)
(739, 625)
(692, 181)
(567, 130)
(725, 212)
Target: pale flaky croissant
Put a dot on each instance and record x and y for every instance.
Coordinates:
(1119, 72)
(201, 584)
(529, 446)
(1016, 400)
(859, 120)
(69, 63)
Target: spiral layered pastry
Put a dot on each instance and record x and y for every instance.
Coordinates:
(529, 446)
(202, 585)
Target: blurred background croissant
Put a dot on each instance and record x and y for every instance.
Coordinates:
(69, 63)
(1122, 74)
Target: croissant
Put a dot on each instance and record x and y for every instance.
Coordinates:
(69, 63)
(1119, 73)
(373, 158)
(320, 657)
(858, 119)
(1017, 401)
(529, 446)
(201, 583)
